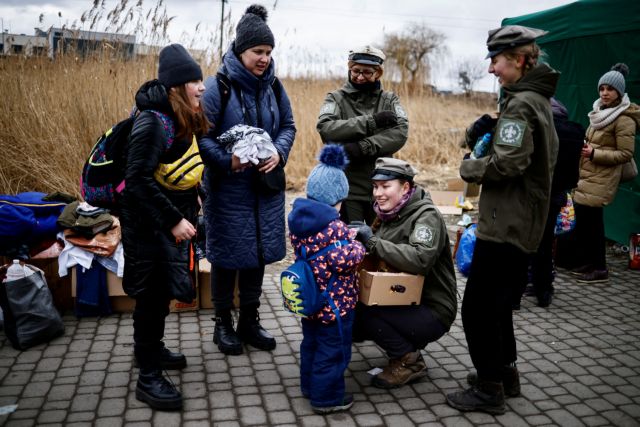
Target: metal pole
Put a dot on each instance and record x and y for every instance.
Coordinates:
(221, 28)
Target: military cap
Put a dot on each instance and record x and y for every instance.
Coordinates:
(388, 168)
(511, 36)
(367, 55)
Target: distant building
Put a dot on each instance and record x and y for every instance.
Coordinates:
(21, 44)
(56, 40)
(84, 43)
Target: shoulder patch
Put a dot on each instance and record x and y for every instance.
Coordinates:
(510, 132)
(423, 234)
(328, 108)
(400, 111)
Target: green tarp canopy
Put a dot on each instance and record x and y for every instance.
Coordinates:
(585, 39)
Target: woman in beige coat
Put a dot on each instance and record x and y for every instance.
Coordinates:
(609, 144)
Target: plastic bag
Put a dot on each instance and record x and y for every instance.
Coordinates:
(464, 254)
(30, 318)
(566, 220)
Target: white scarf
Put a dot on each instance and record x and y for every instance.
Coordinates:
(600, 118)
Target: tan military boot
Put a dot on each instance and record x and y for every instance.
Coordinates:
(409, 367)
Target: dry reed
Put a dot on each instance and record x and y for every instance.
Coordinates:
(52, 112)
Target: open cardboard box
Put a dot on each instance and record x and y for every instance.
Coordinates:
(122, 303)
(387, 287)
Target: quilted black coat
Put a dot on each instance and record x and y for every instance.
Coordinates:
(153, 259)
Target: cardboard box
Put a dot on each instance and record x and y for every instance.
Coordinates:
(204, 277)
(457, 184)
(122, 303)
(386, 288)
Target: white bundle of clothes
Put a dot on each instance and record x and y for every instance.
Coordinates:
(248, 143)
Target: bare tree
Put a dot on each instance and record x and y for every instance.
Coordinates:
(468, 72)
(411, 50)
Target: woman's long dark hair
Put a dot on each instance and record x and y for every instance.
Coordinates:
(188, 121)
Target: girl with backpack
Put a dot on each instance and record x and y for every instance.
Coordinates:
(244, 203)
(158, 222)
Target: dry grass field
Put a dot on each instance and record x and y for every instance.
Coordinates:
(52, 112)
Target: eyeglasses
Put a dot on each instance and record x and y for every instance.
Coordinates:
(364, 73)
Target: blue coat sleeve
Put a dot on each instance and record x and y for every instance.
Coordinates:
(286, 127)
(212, 153)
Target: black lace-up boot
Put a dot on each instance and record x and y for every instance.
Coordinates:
(250, 331)
(224, 335)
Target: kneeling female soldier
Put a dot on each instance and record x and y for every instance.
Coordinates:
(410, 236)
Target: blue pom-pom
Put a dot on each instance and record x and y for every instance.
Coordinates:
(334, 155)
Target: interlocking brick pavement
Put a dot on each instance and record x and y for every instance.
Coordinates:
(579, 362)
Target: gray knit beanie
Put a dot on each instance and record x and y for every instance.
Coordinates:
(615, 78)
(252, 30)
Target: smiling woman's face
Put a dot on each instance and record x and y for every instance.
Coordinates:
(389, 193)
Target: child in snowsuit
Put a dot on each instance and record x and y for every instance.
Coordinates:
(314, 223)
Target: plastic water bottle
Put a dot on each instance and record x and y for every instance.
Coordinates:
(14, 272)
(482, 146)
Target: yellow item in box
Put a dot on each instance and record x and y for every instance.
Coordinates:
(385, 288)
(122, 303)
(204, 277)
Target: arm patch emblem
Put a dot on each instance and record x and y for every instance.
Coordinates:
(423, 234)
(328, 108)
(510, 132)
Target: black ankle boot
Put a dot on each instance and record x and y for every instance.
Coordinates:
(172, 360)
(225, 336)
(156, 391)
(169, 360)
(510, 380)
(250, 331)
(484, 396)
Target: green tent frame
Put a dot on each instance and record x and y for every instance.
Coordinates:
(585, 39)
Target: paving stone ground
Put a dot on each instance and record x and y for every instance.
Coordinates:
(579, 361)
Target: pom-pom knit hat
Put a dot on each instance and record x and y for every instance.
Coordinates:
(327, 182)
(615, 78)
(252, 30)
(177, 67)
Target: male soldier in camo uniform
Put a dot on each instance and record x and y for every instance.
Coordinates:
(368, 121)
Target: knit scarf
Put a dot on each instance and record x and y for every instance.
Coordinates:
(393, 213)
(600, 117)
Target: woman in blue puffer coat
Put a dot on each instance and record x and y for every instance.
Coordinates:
(244, 220)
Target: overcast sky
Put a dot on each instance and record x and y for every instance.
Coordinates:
(314, 35)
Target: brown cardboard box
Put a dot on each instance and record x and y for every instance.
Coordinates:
(386, 288)
(122, 303)
(457, 184)
(204, 277)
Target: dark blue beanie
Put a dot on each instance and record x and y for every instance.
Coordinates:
(176, 67)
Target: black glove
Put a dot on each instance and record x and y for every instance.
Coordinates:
(352, 149)
(484, 124)
(385, 119)
(364, 234)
